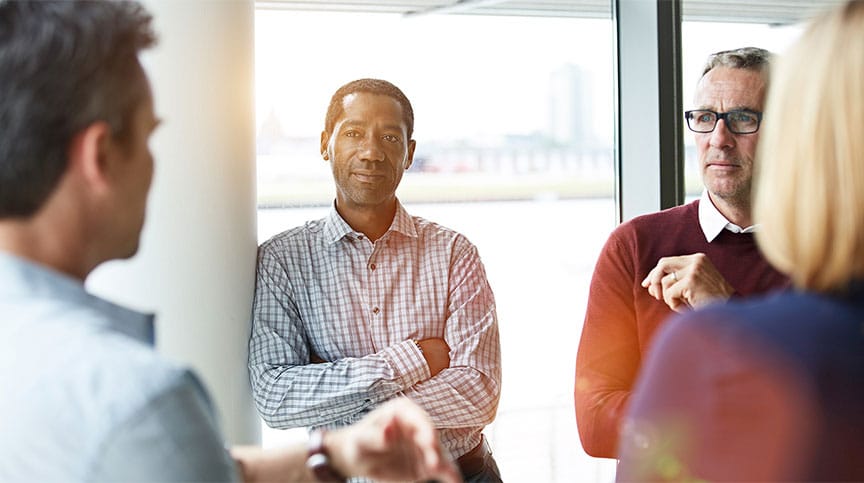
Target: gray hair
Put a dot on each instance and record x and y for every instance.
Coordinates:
(749, 58)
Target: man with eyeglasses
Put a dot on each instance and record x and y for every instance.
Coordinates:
(679, 258)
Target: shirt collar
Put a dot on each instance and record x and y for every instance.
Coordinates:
(24, 281)
(402, 222)
(713, 222)
(336, 228)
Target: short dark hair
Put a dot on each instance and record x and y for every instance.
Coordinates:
(372, 86)
(63, 66)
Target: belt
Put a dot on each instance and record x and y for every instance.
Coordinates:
(472, 462)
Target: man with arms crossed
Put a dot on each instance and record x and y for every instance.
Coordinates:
(85, 397)
(371, 302)
(678, 258)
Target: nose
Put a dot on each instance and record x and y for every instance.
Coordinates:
(721, 136)
(371, 149)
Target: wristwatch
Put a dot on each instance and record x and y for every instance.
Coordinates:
(318, 461)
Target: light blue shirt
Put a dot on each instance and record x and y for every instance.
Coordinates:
(83, 395)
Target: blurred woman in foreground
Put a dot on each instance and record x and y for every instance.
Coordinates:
(773, 389)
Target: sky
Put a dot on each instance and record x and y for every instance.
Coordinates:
(469, 77)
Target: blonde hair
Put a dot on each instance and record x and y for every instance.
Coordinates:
(809, 184)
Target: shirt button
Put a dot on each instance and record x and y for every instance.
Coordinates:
(376, 310)
(371, 266)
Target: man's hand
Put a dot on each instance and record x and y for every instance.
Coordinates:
(315, 358)
(397, 441)
(437, 354)
(687, 281)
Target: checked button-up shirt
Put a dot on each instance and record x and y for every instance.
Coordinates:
(326, 291)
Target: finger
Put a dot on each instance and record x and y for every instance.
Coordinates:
(391, 430)
(649, 283)
(652, 277)
(677, 295)
(664, 266)
(449, 474)
(678, 306)
(687, 298)
(654, 281)
(426, 440)
(672, 290)
(670, 294)
(416, 423)
(658, 289)
(427, 458)
(669, 280)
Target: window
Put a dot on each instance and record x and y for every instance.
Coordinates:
(514, 130)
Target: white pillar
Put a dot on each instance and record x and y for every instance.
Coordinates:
(196, 264)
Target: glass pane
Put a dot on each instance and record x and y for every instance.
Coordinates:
(514, 131)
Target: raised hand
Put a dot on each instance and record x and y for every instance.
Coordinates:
(395, 442)
(687, 281)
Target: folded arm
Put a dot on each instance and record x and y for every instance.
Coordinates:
(466, 393)
(292, 391)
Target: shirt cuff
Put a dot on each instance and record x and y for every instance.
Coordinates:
(408, 363)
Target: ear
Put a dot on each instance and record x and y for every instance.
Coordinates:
(409, 159)
(88, 154)
(325, 140)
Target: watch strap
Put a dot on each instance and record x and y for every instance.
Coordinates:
(318, 461)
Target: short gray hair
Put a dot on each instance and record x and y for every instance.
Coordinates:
(750, 58)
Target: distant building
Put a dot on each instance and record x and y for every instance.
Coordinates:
(570, 107)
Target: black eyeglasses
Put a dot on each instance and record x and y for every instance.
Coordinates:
(739, 121)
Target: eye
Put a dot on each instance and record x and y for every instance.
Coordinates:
(351, 134)
(390, 138)
(742, 116)
(705, 117)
